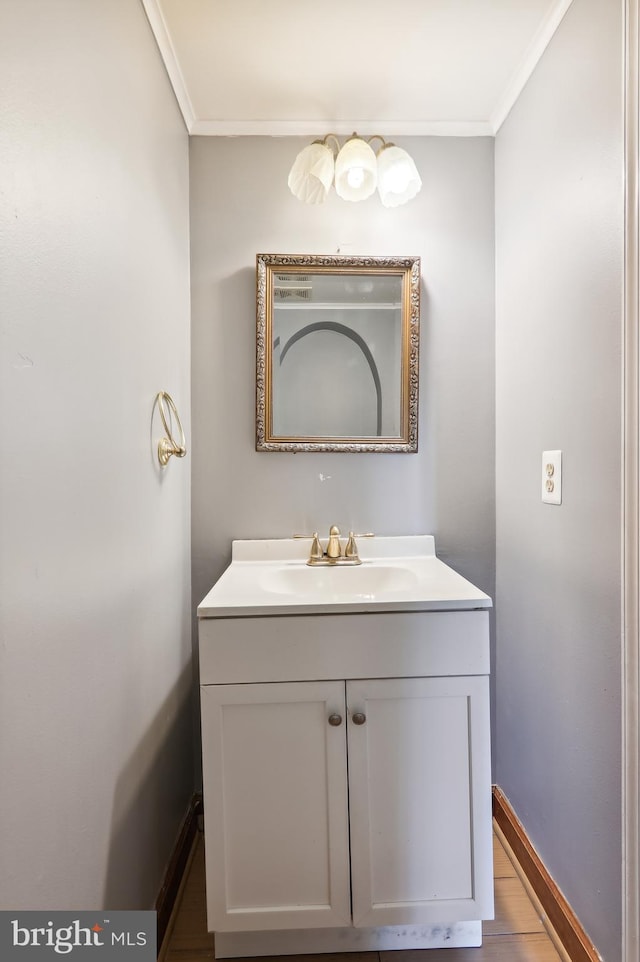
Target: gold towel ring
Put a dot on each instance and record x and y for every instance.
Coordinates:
(167, 446)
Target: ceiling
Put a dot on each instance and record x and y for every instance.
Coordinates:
(303, 67)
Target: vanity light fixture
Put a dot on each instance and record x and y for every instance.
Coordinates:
(355, 169)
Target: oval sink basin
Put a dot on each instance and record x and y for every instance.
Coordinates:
(358, 581)
(270, 577)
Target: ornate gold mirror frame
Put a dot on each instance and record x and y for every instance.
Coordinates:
(337, 353)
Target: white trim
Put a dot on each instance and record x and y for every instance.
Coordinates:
(447, 935)
(528, 63)
(167, 52)
(318, 128)
(631, 516)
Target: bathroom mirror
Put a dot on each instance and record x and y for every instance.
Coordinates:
(337, 353)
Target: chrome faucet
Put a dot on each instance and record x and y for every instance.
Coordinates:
(333, 554)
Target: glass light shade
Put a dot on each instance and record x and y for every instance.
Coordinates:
(312, 173)
(398, 177)
(356, 170)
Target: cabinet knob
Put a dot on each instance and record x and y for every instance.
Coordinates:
(359, 718)
(335, 720)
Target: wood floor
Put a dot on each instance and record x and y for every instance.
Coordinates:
(517, 934)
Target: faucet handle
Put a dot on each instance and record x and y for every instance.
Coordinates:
(351, 550)
(316, 547)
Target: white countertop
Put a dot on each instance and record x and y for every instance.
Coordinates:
(271, 577)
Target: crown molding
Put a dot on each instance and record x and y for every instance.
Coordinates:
(313, 128)
(528, 64)
(167, 52)
(317, 128)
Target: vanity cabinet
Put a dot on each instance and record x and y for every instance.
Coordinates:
(414, 767)
(346, 774)
(276, 821)
(338, 803)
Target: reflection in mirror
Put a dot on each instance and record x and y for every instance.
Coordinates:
(337, 353)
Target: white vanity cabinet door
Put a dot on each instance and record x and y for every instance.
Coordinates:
(420, 800)
(276, 816)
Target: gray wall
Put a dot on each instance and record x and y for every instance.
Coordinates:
(559, 223)
(95, 718)
(240, 206)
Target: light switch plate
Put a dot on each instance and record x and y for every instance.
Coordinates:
(552, 477)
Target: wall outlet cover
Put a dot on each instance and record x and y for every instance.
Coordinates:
(552, 477)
